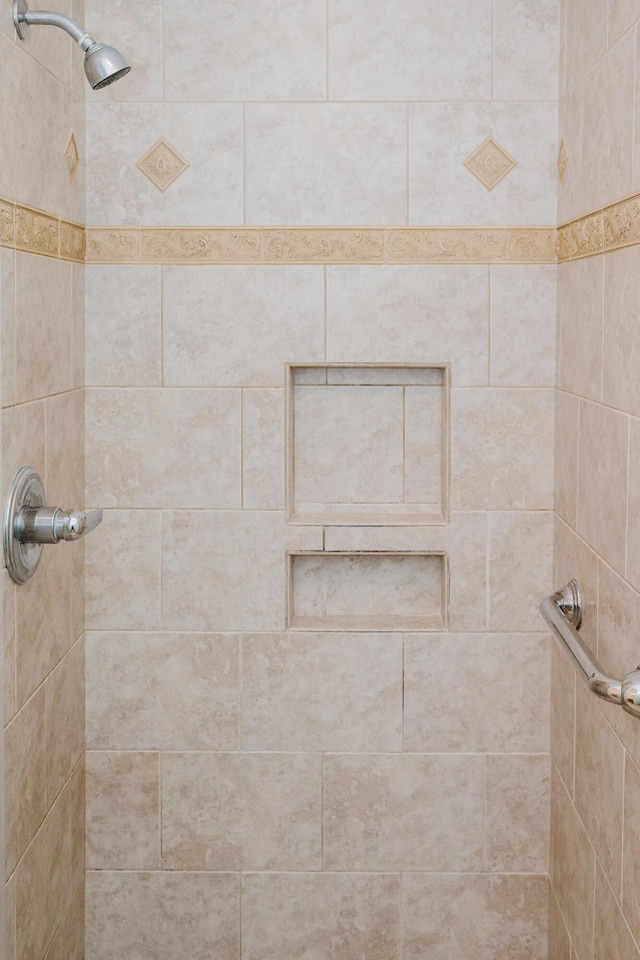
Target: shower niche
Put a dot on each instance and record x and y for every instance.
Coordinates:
(367, 444)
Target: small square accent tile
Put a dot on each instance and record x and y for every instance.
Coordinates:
(490, 163)
(162, 165)
(563, 161)
(71, 155)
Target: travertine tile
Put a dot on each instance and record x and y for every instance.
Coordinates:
(501, 449)
(123, 326)
(567, 419)
(24, 778)
(131, 464)
(570, 107)
(563, 698)
(442, 715)
(602, 460)
(241, 811)
(559, 942)
(452, 918)
(78, 323)
(64, 719)
(607, 134)
(64, 450)
(621, 343)
(162, 692)
(424, 452)
(520, 552)
(360, 149)
(383, 53)
(585, 36)
(134, 579)
(630, 873)
(123, 811)
(238, 325)
(8, 334)
(239, 587)
(572, 869)
(263, 454)
(10, 919)
(525, 56)
(118, 193)
(137, 32)
(338, 692)
(274, 53)
(517, 814)
(161, 916)
(612, 936)
(44, 364)
(523, 325)
(306, 915)
(385, 812)
(442, 191)
(386, 314)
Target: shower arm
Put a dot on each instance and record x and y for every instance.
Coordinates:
(22, 16)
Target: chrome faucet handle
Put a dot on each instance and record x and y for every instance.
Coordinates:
(29, 524)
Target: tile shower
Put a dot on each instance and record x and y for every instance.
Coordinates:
(323, 438)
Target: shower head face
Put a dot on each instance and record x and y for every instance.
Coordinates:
(104, 65)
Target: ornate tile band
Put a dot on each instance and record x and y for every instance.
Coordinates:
(34, 231)
(612, 227)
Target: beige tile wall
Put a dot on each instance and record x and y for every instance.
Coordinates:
(594, 850)
(266, 792)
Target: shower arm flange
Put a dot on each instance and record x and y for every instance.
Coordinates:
(23, 17)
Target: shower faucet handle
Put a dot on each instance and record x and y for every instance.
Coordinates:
(52, 524)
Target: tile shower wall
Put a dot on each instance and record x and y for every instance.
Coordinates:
(42, 373)
(595, 908)
(268, 792)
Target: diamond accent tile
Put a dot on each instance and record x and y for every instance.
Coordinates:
(490, 163)
(563, 161)
(71, 155)
(162, 165)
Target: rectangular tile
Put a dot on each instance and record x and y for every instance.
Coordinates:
(263, 449)
(517, 814)
(24, 778)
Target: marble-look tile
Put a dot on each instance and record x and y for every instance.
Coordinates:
(445, 715)
(43, 302)
(329, 163)
(612, 936)
(453, 918)
(238, 325)
(341, 916)
(572, 869)
(263, 454)
(151, 691)
(8, 330)
(277, 52)
(559, 942)
(567, 419)
(525, 54)
(24, 778)
(10, 919)
(135, 30)
(570, 185)
(322, 692)
(622, 15)
(442, 136)
(8, 607)
(78, 323)
(603, 449)
(64, 450)
(240, 580)
(379, 52)
(123, 811)
(412, 812)
(123, 326)
(232, 811)
(630, 867)
(608, 118)
(424, 450)
(432, 314)
(134, 579)
(162, 916)
(633, 511)
(520, 559)
(64, 719)
(23, 439)
(586, 36)
(118, 193)
(573, 558)
(517, 814)
(502, 449)
(599, 762)
(367, 592)
(76, 811)
(563, 698)
(49, 48)
(523, 326)
(621, 344)
(130, 464)
(580, 319)
(68, 941)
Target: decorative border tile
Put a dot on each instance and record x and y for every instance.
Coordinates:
(34, 231)
(610, 228)
(323, 245)
(194, 245)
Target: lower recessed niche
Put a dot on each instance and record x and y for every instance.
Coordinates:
(367, 591)
(367, 444)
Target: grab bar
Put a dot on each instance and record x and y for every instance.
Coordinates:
(563, 613)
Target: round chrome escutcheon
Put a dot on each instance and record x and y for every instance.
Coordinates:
(21, 559)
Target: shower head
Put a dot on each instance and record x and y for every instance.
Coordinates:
(102, 64)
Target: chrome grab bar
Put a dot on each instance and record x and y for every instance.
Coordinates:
(563, 613)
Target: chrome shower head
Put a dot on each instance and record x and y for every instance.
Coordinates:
(102, 64)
